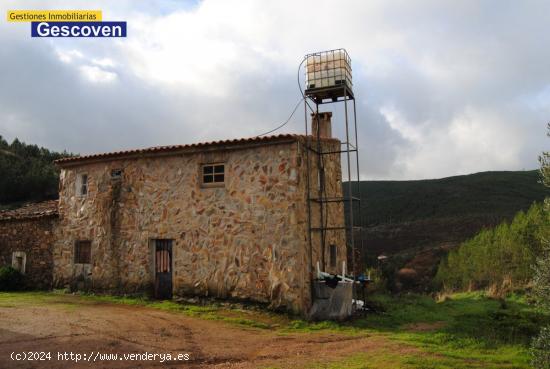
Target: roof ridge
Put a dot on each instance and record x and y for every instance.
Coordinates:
(168, 148)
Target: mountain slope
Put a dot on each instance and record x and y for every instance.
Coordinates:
(486, 193)
(416, 223)
(402, 215)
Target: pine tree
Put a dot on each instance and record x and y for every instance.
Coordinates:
(27, 172)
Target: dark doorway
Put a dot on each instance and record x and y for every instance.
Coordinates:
(163, 269)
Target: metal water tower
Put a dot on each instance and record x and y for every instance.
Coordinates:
(328, 80)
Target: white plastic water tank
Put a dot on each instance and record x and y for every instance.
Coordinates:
(328, 69)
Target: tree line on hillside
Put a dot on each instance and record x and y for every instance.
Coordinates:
(485, 195)
(499, 257)
(27, 172)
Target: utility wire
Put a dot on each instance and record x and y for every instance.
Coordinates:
(286, 122)
(303, 98)
(300, 85)
(321, 164)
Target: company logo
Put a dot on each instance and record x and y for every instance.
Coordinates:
(78, 29)
(67, 23)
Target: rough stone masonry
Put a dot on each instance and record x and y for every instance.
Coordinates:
(26, 239)
(235, 213)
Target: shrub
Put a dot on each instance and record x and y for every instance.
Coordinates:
(379, 282)
(500, 258)
(10, 279)
(540, 349)
(541, 282)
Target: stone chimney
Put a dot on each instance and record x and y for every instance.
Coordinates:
(323, 121)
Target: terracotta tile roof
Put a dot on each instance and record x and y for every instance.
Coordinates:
(176, 148)
(32, 210)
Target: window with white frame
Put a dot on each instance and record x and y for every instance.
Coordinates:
(82, 184)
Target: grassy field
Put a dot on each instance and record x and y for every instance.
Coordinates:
(467, 330)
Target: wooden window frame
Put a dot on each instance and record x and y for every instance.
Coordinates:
(214, 175)
(79, 256)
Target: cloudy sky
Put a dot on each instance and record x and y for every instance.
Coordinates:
(442, 87)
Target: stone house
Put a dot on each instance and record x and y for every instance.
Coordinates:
(227, 219)
(26, 241)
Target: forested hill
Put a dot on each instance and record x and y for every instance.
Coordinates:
(27, 173)
(428, 214)
(487, 193)
(417, 222)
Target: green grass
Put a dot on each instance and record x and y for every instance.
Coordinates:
(470, 330)
(463, 314)
(466, 330)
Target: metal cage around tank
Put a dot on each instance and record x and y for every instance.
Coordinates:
(328, 76)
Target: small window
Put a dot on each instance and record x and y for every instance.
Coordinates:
(116, 174)
(83, 252)
(82, 185)
(332, 256)
(213, 174)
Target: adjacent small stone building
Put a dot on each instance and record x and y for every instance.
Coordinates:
(27, 239)
(227, 219)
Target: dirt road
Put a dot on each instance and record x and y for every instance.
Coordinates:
(87, 329)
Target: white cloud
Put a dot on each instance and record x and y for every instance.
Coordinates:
(475, 140)
(97, 75)
(443, 87)
(67, 56)
(104, 62)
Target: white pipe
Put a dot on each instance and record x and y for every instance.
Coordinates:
(318, 271)
(343, 270)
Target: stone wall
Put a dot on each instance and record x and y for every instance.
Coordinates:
(34, 237)
(245, 240)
